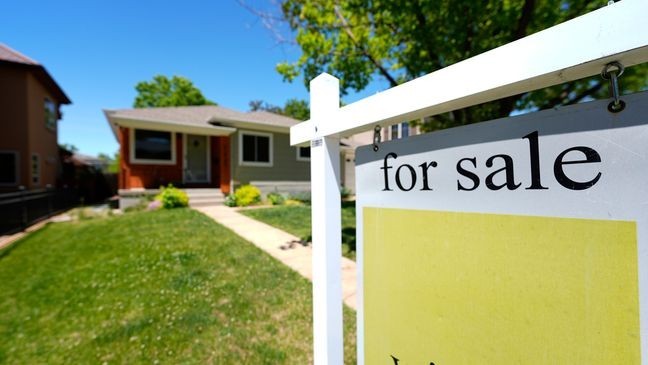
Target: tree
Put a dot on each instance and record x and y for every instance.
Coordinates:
(359, 40)
(112, 163)
(162, 91)
(293, 108)
(298, 109)
(260, 105)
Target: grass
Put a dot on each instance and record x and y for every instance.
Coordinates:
(297, 221)
(168, 287)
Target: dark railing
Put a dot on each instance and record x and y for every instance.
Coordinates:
(22, 208)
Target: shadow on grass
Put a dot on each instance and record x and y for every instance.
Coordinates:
(12, 246)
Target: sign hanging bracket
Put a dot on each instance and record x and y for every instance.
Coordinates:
(376, 138)
(612, 71)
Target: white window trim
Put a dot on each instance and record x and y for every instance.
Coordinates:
(17, 172)
(133, 160)
(36, 175)
(185, 158)
(240, 149)
(299, 158)
(399, 134)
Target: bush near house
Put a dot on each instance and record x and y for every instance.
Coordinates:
(275, 198)
(304, 197)
(247, 195)
(172, 197)
(230, 200)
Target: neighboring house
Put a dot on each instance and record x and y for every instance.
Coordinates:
(96, 163)
(30, 100)
(208, 146)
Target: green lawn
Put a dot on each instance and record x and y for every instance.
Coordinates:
(168, 287)
(297, 221)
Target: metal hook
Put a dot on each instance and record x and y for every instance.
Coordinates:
(611, 72)
(376, 138)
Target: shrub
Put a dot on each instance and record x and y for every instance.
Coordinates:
(292, 202)
(304, 197)
(230, 200)
(275, 198)
(246, 195)
(172, 197)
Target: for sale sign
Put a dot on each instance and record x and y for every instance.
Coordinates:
(516, 241)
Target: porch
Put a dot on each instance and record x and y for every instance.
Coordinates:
(198, 197)
(155, 158)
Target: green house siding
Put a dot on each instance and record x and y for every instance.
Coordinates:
(285, 166)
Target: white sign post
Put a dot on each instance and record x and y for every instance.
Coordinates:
(326, 225)
(575, 49)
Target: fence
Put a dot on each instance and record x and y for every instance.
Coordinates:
(22, 208)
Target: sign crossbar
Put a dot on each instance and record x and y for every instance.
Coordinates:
(569, 51)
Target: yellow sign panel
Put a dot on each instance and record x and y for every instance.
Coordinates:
(470, 288)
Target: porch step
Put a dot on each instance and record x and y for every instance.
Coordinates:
(205, 197)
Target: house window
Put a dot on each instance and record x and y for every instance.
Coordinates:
(400, 130)
(303, 153)
(50, 114)
(152, 147)
(8, 168)
(255, 149)
(35, 169)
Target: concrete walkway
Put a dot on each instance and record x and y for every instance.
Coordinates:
(277, 243)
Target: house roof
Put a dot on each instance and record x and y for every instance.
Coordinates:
(210, 119)
(13, 57)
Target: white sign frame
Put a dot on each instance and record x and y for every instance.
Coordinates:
(572, 50)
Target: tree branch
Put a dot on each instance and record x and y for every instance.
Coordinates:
(524, 20)
(422, 21)
(361, 47)
(269, 21)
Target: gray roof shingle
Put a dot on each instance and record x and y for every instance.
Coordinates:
(204, 115)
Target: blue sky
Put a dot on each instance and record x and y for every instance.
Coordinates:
(98, 50)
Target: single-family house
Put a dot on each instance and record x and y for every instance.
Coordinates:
(215, 147)
(30, 101)
(208, 147)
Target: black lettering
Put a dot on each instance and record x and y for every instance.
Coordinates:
(534, 159)
(590, 157)
(468, 174)
(508, 167)
(424, 169)
(412, 173)
(385, 168)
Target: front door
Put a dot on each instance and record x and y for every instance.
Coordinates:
(196, 159)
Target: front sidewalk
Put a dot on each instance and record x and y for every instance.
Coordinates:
(271, 240)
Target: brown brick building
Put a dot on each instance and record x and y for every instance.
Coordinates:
(30, 101)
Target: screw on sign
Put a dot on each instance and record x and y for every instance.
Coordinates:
(396, 360)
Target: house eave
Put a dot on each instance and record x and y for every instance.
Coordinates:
(253, 126)
(167, 126)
